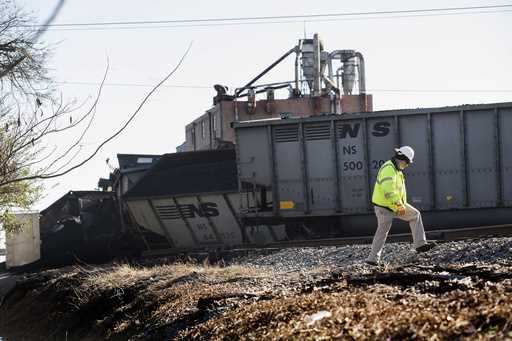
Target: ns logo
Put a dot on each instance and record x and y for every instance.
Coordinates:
(203, 210)
(379, 129)
(206, 209)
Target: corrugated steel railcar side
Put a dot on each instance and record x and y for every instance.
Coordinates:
(325, 166)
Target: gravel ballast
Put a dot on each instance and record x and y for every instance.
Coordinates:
(351, 257)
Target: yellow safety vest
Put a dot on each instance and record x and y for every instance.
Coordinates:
(389, 190)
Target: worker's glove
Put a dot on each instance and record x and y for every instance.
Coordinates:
(400, 210)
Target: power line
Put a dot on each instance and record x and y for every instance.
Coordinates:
(184, 86)
(442, 90)
(138, 85)
(302, 17)
(154, 27)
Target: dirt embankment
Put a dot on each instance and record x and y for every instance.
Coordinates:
(187, 301)
(121, 301)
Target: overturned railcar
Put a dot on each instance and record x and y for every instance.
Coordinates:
(316, 174)
(81, 225)
(192, 199)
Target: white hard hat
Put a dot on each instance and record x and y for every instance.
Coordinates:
(406, 151)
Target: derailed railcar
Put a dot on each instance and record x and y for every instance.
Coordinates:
(192, 199)
(316, 174)
(81, 225)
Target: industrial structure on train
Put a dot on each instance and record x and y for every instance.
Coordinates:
(281, 162)
(325, 82)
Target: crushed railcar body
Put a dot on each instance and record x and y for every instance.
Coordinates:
(94, 226)
(77, 226)
(192, 199)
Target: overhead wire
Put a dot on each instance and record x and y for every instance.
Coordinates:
(143, 85)
(210, 87)
(326, 17)
(267, 22)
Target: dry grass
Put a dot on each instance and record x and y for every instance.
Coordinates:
(125, 274)
(121, 276)
(149, 297)
(120, 300)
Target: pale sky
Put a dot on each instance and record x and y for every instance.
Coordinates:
(420, 61)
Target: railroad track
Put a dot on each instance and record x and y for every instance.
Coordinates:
(440, 235)
(443, 235)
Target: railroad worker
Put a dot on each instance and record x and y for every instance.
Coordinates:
(390, 201)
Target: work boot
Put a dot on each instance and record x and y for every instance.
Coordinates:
(426, 247)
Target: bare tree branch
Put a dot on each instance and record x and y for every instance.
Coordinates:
(23, 84)
(13, 48)
(102, 144)
(48, 21)
(46, 131)
(8, 69)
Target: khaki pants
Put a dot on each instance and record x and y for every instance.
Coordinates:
(384, 222)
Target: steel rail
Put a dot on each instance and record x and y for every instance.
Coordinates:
(440, 235)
